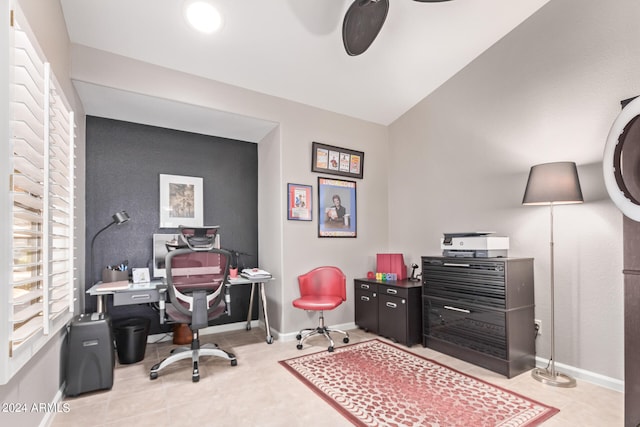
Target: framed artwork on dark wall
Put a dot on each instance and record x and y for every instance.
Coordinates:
(337, 161)
(181, 201)
(337, 213)
(299, 202)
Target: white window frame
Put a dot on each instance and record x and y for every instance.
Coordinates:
(38, 284)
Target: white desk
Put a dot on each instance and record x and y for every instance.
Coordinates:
(155, 291)
(263, 297)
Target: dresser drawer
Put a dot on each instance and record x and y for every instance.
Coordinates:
(366, 310)
(479, 329)
(471, 280)
(392, 323)
(393, 291)
(136, 297)
(366, 286)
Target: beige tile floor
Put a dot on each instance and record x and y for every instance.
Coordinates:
(260, 392)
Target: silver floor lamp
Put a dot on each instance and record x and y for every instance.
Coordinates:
(553, 184)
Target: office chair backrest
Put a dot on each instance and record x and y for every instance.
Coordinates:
(323, 281)
(199, 238)
(196, 281)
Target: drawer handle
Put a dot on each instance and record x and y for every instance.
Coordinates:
(461, 310)
(392, 305)
(141, 296)
(455, 264)
(364, 298)
(364, 286)
(392, 291)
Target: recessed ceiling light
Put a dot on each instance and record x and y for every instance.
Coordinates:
(203, 16)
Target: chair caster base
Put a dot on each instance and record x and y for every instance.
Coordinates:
(154, 371)
(320, 330)
(195, 376)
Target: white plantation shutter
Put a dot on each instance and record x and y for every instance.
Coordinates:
(39, 295)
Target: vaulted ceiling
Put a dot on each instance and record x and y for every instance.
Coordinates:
(293, 49)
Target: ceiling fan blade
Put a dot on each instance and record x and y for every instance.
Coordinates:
(362, 23)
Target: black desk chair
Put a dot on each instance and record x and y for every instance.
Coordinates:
(197, 278)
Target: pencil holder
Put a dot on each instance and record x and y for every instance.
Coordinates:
(109, 275)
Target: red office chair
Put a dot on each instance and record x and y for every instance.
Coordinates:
(323, 288)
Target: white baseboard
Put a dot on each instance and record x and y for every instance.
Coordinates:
(581, 374)
(58, 405)
(291, 336)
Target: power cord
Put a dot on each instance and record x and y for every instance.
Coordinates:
(165, 337)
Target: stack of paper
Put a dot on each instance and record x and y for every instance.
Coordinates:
(255, 273)
(112, 286)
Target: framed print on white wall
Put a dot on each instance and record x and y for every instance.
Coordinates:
(336, 160)
(180, 201)
(336, 208)
(299, 202)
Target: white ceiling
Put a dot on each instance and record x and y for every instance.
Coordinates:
(293, 49)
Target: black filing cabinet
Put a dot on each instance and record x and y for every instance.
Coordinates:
(481, 310)
(391, 309)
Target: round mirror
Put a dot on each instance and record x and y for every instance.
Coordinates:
(621, 162)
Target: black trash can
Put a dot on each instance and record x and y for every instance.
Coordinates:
(131, 339)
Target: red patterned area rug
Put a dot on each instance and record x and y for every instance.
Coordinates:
(378, 384)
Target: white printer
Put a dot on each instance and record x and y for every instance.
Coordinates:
(477, 244)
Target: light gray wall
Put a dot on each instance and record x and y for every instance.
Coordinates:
(286, 248)
(548, 91)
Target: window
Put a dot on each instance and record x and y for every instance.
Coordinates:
(38, 289)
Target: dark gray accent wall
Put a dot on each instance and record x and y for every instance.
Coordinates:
(123, 164)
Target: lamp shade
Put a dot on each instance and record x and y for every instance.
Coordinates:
(553, 183)
(120, 217)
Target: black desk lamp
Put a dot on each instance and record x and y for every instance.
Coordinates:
(414, 277)
(553, 184)
(118, 218)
